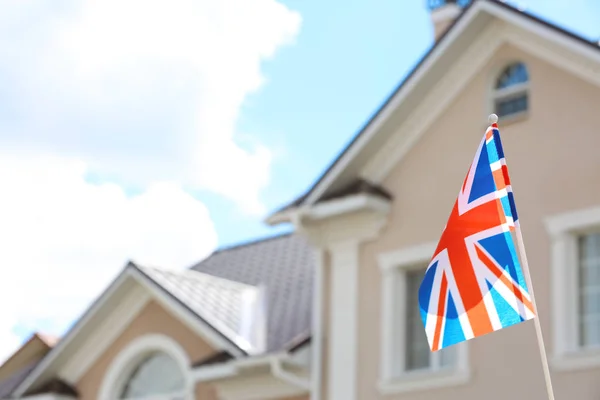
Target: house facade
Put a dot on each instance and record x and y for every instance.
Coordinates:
(329, 312)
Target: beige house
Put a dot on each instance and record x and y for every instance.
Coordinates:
(329, 312)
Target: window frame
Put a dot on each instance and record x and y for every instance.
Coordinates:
(564, 230)
(508, 92)
(393, 376)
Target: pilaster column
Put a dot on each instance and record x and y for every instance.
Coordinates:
(343, 320)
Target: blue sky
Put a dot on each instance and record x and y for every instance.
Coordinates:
(160, 139)
(320, 91)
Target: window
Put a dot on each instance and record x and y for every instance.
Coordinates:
(511, 91)
(407, 363)
(589, 290)
(157, 374)
(575, 288)
(416, 349)
(150, 367)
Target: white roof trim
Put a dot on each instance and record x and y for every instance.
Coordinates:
(335, 207)
(332, 208)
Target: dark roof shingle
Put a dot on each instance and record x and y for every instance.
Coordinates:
(284, 265)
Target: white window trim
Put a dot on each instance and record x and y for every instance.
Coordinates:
(499, 94)
(122, 365)
(563, 229)
(393, 265)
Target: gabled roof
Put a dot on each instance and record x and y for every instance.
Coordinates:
(344, 168)
(208, 299)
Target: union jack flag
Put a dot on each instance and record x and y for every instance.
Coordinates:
(474, 284)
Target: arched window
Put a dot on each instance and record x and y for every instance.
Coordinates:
(511, 89)
(152, 366)
(157, 376)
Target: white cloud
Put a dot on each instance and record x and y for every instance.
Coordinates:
(63, 239)
(134, 91)
(143, 89)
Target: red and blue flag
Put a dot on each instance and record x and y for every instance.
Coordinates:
(474, 283)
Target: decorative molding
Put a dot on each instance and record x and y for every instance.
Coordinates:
(393, 264)
(110, 329)
(575, 220)
(434, 104)
(345, 205)
(575, 362)
(563, 229)
(124, 363)
(359, 227)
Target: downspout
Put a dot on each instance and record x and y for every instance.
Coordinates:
(278, 372)
(317, 334)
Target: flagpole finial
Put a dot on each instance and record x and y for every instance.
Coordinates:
(493, 119)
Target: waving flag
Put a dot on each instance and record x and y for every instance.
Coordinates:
(474, 284)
